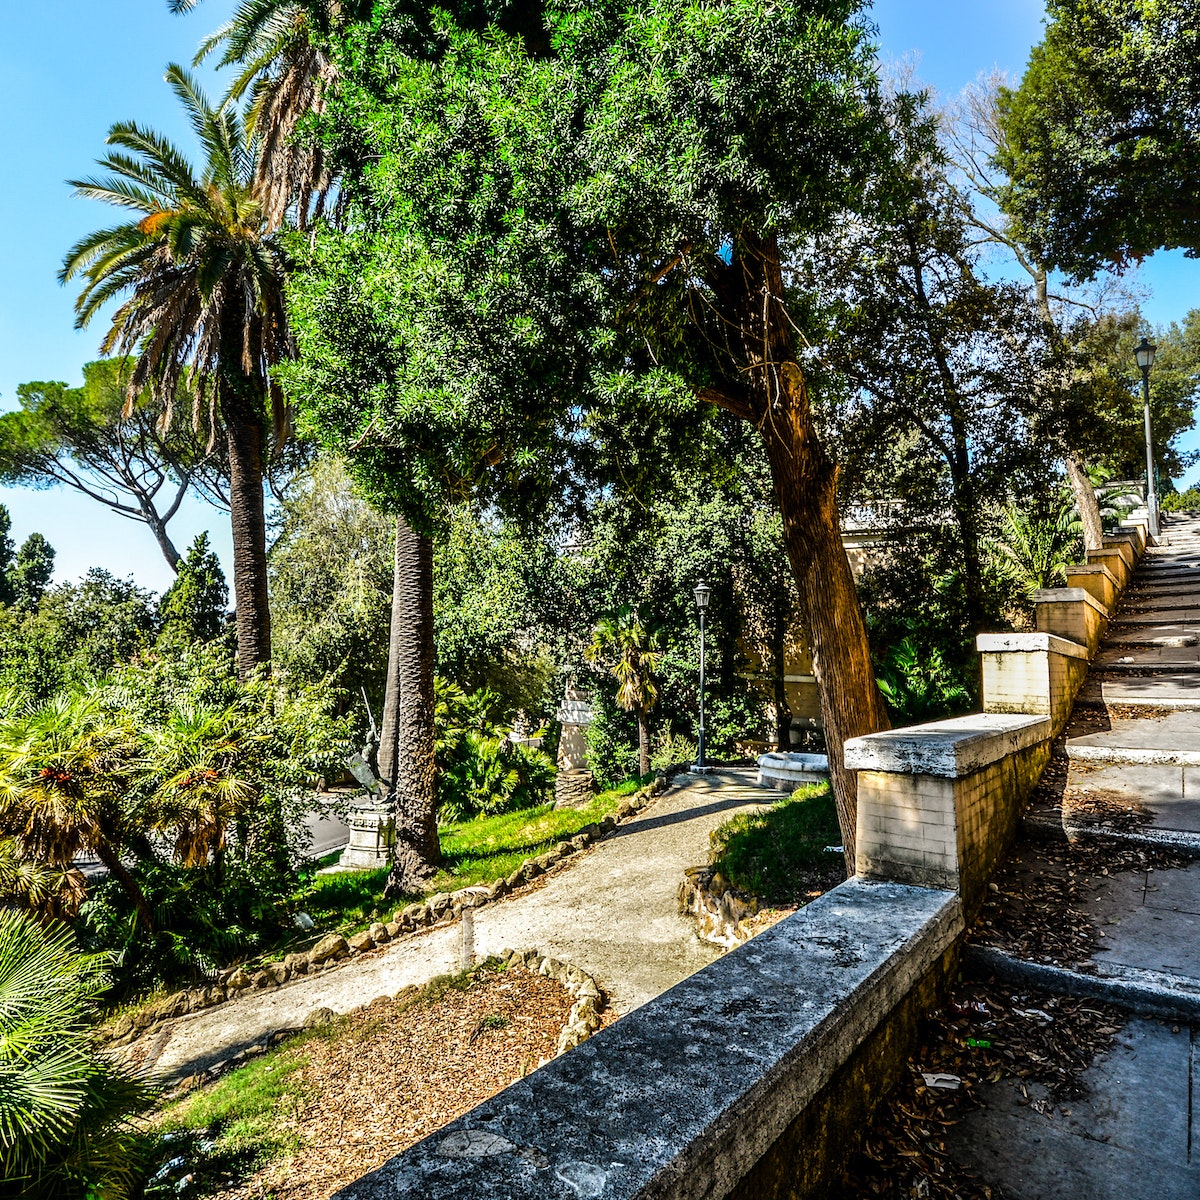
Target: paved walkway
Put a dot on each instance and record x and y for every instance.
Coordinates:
(1136, 1134)
(611, 910)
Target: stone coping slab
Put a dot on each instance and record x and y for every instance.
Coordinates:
(682, 1097)
(1069, 595)
(1093, 568)
(787, 769)
(1000, 643)
(951, 748)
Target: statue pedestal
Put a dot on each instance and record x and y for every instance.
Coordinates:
(372, 835)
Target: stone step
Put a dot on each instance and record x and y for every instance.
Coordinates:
(1168, 634)
(1186, 614)
(1141, 660)
(1167, 793)
(1179, 692)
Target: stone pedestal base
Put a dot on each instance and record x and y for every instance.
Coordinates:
(573, 789)
(372, 835)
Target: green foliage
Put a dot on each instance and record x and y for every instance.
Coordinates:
(611, 742)
(631, 652)
(79, 632)
(68, 1127)
(190, 786)
(193, 608)
(1180, 501)
(774, 854)
(1100, 143)
(1034, 550)
(331, 584)
(921, 686)
(480, 770)
(31, 572)
(23, 576)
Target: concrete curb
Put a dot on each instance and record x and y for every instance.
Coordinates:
(1145, 993)
(1139, 756)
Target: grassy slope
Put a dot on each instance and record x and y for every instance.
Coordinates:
(478, 851)
(774, 854)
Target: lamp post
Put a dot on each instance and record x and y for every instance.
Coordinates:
(1144, 353)
(702, 592)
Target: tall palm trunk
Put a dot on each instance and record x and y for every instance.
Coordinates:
(244, 436)
(775, 399)
(643, 742)
(406, 752)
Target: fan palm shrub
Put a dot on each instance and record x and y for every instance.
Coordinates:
(69, 771)
(631, 652)
(69, 1128)
(200, 275)
(1033, 551)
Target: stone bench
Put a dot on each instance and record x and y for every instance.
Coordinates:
(1036, 673)
(938, 804)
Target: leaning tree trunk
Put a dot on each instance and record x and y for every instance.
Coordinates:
(643, 742)
(1085, 502)
(409, 762)
(771, 393)
(244, 435)
(806, 489)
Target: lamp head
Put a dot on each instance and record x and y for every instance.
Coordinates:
(1144, 352)
(702, 592)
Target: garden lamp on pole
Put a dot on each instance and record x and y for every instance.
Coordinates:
(1144, 353)
(702, 592)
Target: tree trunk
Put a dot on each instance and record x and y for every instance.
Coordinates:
(389, 721)
(770, 392)
(806, 490)
(159, 529)
(116, 868)
(643, 742)
(412, 768)
(1085, 502)
(244, 435)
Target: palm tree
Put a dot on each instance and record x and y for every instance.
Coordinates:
(623, 643)
(68, 1117)
(202, 274)
(1035, 552)
(68, 784)
(281, 48)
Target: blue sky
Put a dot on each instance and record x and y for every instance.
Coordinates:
(70, 68)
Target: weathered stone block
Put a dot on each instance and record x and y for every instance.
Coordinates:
(1096, 578)
(332, 946)
(1071, 613)
(361, 942)
(1031, 673)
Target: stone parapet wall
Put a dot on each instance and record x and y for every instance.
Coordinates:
(1072, 613)
(706, 1091)
(1032, 673)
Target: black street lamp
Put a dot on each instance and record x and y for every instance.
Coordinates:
(1144, 353)
(702, 592)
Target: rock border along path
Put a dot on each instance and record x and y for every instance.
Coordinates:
(612, 910)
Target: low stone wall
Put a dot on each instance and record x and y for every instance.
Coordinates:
(703, 1091)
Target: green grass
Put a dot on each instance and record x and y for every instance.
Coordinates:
(478, 851)
(774, 853)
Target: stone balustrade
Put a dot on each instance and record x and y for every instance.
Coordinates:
(1098, 579)
(1032, 673)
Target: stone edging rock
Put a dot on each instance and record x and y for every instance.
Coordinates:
(332, 950)
(722, 912)
(582, 1021)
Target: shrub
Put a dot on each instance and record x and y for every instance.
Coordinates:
(68, 1127)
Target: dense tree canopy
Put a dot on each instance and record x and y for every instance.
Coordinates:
(590, 221)
(1103, 134)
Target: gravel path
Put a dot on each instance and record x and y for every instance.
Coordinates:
(611, 910)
